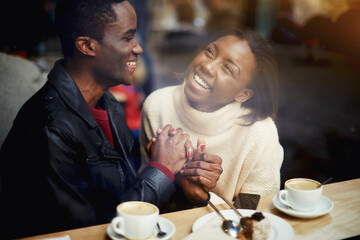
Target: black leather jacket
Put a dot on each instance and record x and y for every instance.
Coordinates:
(58, 169)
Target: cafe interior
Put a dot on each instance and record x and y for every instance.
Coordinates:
(317, 48)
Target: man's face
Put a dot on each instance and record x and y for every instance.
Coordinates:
(117, 53)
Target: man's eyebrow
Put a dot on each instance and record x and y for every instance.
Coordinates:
(129, 32)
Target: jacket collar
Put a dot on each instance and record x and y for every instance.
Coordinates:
(71, 95)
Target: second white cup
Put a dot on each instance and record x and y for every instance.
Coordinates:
(301, 194)
(135, 220)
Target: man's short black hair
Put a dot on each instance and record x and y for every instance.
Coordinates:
(76, 18)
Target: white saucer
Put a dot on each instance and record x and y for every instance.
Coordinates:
(325, 205)
(165, 225)
(280, 229)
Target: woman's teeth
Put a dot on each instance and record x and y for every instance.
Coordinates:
(199, 81)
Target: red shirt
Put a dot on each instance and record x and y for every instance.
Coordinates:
(102, 118)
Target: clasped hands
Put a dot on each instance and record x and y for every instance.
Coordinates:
(196, 171)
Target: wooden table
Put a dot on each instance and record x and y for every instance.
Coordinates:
(342, 222)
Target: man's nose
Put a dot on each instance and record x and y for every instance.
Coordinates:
(137, 49)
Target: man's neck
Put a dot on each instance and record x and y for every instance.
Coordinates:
(82, 75)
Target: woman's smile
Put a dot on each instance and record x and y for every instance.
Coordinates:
(202, 83)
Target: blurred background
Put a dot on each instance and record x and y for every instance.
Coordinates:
(316, 42)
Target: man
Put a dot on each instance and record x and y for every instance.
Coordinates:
(66, 162)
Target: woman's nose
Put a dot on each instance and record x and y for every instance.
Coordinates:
(137, 49)
(209, 68)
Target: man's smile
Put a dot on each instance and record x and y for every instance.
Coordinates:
(131, 65)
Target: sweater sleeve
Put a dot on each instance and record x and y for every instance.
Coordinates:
(264, 178)
(146, 134)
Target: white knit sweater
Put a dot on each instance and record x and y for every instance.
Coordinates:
(251, 155)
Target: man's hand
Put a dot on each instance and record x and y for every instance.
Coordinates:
(188, 146)
(170, 148)
(205, 169)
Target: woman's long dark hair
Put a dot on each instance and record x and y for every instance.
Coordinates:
(264, 83)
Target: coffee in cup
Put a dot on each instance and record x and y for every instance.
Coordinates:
(301, 194)
(135, 219)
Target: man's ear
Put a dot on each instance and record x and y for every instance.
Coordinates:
(244, 95)
(86, 45)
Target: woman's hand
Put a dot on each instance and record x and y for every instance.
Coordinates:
(194, 192)
(204, 169)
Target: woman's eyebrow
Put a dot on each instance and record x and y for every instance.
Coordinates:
(215, 46)
(228, 59)
(233, 63)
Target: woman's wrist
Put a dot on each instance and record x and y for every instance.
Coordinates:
(204, 203)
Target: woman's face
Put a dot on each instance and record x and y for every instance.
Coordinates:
(220, 74)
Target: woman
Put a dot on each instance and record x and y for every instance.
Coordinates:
(228, 98)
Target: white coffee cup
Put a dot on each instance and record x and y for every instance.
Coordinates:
(135, 219)
(301, 194)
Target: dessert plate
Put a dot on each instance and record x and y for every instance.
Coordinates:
(325, 205)
(165, 225)
(280, 229)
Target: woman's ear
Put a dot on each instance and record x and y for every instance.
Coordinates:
(244, 95)
(85, 45)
